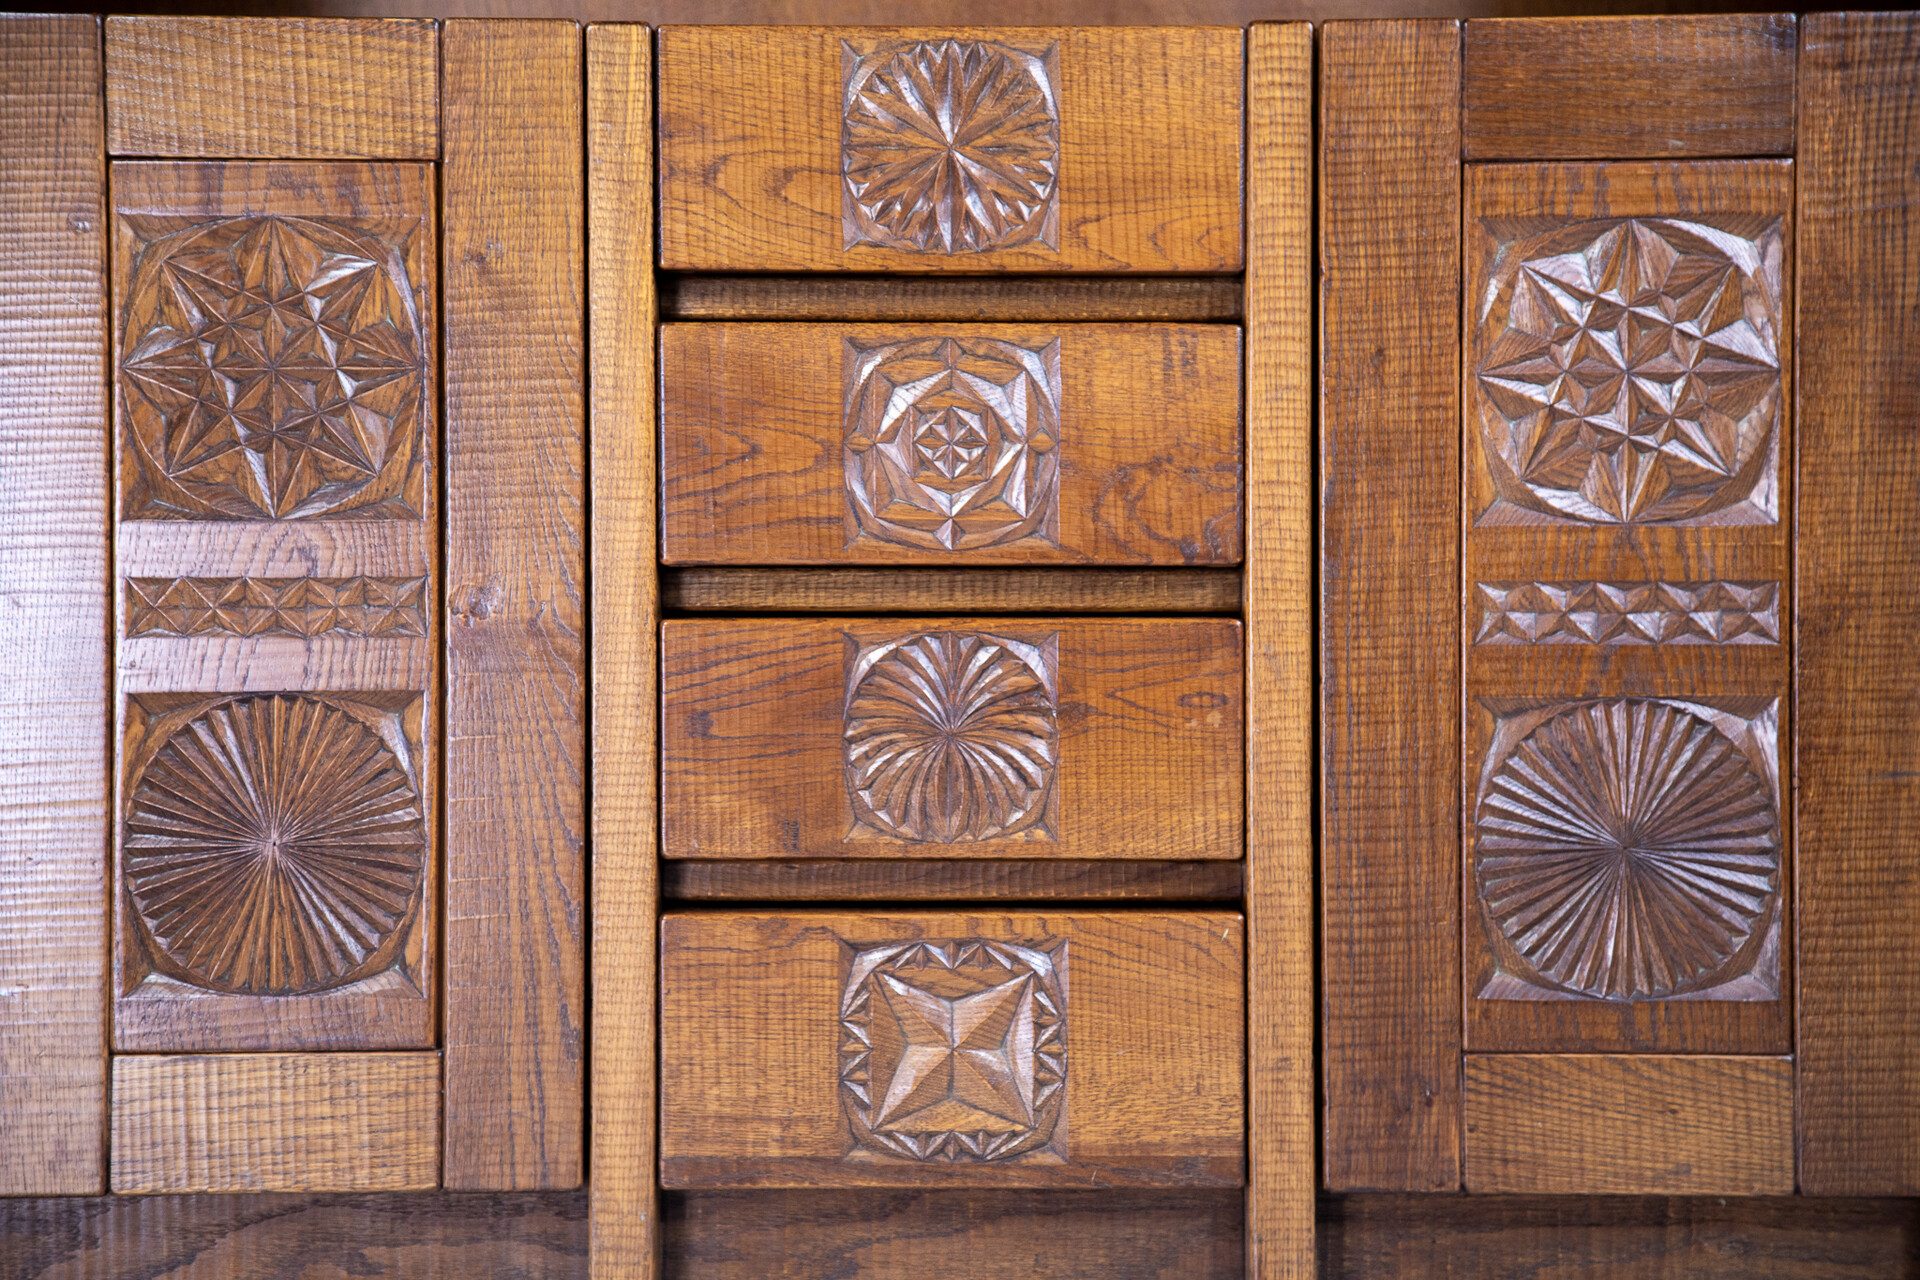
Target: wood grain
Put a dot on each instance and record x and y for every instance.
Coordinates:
(1145, 740)
(870, 1234)
(1629, 87)
(1149, 126)
(1525, 213)
(1279, 638)
(1858, 686)
(276, 1122)
(626, 657)
(1546, 1124)
(983, 299)
(778, 439)
(1389, 511)
(737, 589)
(275, 88)
(956, 880)
(53, 576)
(514, 199)
(751, 1032)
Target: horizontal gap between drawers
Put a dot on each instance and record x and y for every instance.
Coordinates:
(855, 298)
(951, 882)
(886, 590)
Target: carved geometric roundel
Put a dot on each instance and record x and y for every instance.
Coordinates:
(1634, 375)
(950, 146)
(273, 368)
(274, 845)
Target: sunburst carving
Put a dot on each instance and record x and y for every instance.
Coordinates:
(274, 845)
(1629, 849)
(951, 737)
(950, 146)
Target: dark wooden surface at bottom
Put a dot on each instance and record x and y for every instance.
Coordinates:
(887, 1235)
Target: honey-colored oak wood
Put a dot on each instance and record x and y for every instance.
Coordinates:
(1141, 1014)
(1628, 1124)
(273, 88)
(1141, 162)
(276, 1122)
(954, 880)
(1389, 563)
(1280, 676)
(1628, 87)
(984, 299)
(1091, 738)
(897, 444)
(54, 773)
(513, 192)
(1858, 680)
(626, 608)
(738, 589)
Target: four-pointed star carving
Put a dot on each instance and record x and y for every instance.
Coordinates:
(966, 1062)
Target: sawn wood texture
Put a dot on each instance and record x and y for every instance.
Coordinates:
(1077, 149)
(1629, 87)
(1025, 444)
(1071, 738)
(951, 1050)
(273, 88)
(55, 771)
(276, 1122)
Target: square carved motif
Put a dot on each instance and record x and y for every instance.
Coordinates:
(955, 1051)
(952, 737)
(952, 443)
(1629, 849)
(950, 146)
(1628, 370)
(272, 844)
(273, 368)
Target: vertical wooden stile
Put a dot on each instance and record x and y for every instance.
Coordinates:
(624, 1242)
(1279, 610)
(53, 575)
(512, 194)
(1389, 626)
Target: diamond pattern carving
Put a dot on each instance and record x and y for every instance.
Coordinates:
(273, 368)
(1629, 849)
(358, 606)
(950, 146)
(953, 444)
(1629, 373)
(955, 1051)
(1617, 613)
(274, 844)
(951, 737)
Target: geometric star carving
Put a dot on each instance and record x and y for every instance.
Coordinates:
(955, 1050)
(273, 368)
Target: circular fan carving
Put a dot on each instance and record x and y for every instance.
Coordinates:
(274, 846)
(1628, 850)
(950, 737)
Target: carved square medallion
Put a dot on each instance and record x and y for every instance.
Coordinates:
(955, 1050)
(950, 146)
(272, 844)
(1629, 849)
(1629, 371)
(952, 444)
(273, 368)
(952, 737)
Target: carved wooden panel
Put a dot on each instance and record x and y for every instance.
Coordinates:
(275, 876)
(927, 149)
(951, 737)
(951, 1050)
(1626, 839)
(951, 444)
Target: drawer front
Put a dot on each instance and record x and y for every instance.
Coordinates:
(815, 1049)
(951, 737)
(953, 149)
(943, 444)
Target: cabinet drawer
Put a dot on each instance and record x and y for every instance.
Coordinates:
(815, 1049)
(938, 444)
(951, 737)
(952, 149)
